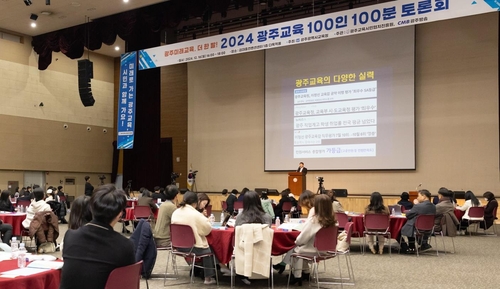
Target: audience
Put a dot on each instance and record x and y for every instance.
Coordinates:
(423, 206)
(80, 213)
(337, 206)
(38, 205)
(376, 206)
(230, 201)
(470, 201)
(306, 200)
(5, 232)
(445, 209)
(323, 218)
(5, 204)
(278, 210)
(158, 194)
(203, 203)
(267, 204)
(242, 194)
(147, 200)
(94, 250)
(187, 214)
(489, 210)
(253, 211)
(52, 195)
(161, 232)
(89, 189)
(405, 201)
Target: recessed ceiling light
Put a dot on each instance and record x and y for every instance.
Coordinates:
(126, 1)
(75, 4)
(33, 24)
(47, 13)
(117, 48)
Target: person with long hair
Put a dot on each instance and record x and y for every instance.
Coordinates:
(306, 200)
(5, 204)
(470, 201)
(278, 210)
(376, 206)
(253, 211)
(323, 218)
(187, 214)
(337, 206)
(203, 203)
(492, 204)
(80, 213)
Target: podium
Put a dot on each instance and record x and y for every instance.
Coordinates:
(296, 183)
(413, 195)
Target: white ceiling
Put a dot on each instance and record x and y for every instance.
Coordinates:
(15, 16)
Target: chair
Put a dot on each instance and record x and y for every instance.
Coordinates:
(286, 208)
(169, 252)
(476, 213)
(24, 203)
(127, 277)
(424, 226)
(182, 237)
(326, 248)
(495, 215)
(342, 219)
(209, 210)
(377, 224)
(25, 235)
(237, 205)
(141, 212)
(441, 233)
(347, 254)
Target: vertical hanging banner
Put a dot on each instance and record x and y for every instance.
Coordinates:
(126, 101)
(366, 19)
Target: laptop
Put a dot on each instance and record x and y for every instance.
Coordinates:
(396, 208)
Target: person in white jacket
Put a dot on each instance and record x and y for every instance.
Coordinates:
(38, 205)
(323, 218)
(470, 201)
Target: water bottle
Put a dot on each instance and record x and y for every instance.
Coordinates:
(287, 218)
(21, 258)
(212, 219)
(393, 212)
(277, 223)
(222, 217)
(20, 209)
(14, 248)
(133, 204)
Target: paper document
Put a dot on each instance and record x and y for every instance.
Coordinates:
(22, 272)
(46, 264)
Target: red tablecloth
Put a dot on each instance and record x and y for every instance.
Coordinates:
(16, 220)
(129, 214)
(221, 243)
(395, 225)
(46, 280)
(129, 203)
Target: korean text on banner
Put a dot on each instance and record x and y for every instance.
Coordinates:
(126, 101)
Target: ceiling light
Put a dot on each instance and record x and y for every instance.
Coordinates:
(33, 24)
(126, 1)
(117, 48)
(46, 13)
(28, 2)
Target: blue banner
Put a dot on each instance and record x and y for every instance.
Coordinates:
(126, 101)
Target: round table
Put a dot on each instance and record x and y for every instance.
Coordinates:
(221, 242)
(49, 279)
(395, 226)
(16, 220)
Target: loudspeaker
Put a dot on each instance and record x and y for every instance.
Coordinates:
(340, 192)
(85, 74)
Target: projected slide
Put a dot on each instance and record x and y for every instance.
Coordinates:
(342, 104)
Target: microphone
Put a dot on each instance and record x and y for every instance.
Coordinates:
(418, 187)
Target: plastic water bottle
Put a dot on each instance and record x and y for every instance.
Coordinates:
(287, 218)
(277, 223)
(21, 258)
(14, 248)
(212, 219)
(20, 209)
(222, 217)
(393, 212)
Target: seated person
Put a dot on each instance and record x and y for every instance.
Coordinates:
(405, 201)
(488, 210)
(38, 205)
(266, 203)
(278, 210)
(446, 209)
(324, 217)
(253, 211)
(203, 203)
(162, 228)
(5, 232)
(306, 201)
(423, 206)
(158, 194)
(242, 194)
(147, 200)
(80, 213)
(470, 201)
(376, 206)
(5, 204)
(94, 250)
(187, 214)
(337, 206)
(230, 201)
